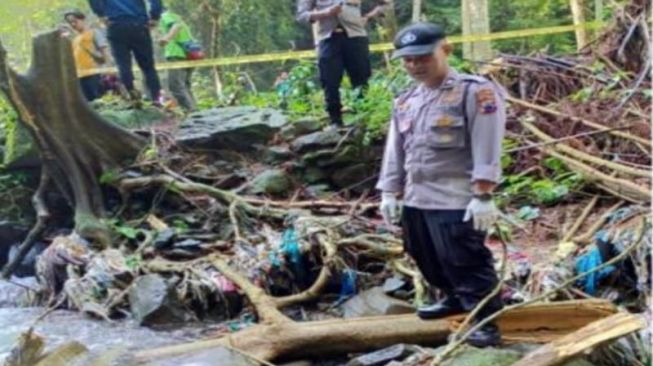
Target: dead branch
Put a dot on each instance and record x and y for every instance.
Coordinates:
(594, 125)
(193, 187)
(598, 332)
(581, 219)
(634, 192)
(42, 217)
(580, 155)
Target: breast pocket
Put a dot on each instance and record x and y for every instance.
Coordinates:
(447, 131)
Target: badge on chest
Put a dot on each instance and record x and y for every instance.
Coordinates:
(443, 121)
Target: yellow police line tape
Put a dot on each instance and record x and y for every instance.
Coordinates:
(379, 47)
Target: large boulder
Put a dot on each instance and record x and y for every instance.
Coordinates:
(210, 357)
(316, 141)
(354, 175)
(384, 356)
(375, 302)
(273, 181)
(472, 356)
(134, 118)
(27, 267)
(154, 301)
(231, 128)
(301, 127)
(277, 154)
(10, 234)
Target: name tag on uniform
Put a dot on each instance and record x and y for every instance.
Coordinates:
(445, 138)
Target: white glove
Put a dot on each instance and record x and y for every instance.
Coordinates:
(389, 208)
(485, 214)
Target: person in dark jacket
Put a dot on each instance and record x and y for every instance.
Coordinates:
(128, 31)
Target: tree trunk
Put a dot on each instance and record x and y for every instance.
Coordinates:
(476, 20)
(417, 11)
(578, 13)
(598, 10)
(75, 143)
(292, 340)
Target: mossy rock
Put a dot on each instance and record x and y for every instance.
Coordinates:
(134, 118)
(472, 356)
(274, 182)
(314, 175)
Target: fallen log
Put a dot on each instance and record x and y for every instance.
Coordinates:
(537, 323)
(566, 347)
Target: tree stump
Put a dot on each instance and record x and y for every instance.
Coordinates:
(76, 145)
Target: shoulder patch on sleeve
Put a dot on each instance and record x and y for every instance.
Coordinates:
(486, 101)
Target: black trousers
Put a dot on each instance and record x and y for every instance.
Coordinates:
(91, 87)
(336, 55)
(451, 256)
(134, 38)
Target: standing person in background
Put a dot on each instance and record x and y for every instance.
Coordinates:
(343, 45)
(176, 34)
(128, 25)
(91, 50)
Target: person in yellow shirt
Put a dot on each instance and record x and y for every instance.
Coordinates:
(90, 49)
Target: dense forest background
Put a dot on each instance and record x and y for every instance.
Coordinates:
(236, 27)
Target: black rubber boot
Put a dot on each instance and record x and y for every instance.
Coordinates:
(487, 336)
(447, 307)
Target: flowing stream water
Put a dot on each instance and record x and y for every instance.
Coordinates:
(63, 326)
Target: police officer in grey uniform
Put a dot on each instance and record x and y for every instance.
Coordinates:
(443, 155)
(342, 46)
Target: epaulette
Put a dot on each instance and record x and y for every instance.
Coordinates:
(474, 78)
(482, 80)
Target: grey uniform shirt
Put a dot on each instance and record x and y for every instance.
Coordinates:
(441, 140)
(351, 18)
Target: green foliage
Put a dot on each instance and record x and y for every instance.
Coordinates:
(15, 196)
(109, 176)
(21, 19)
(525, 14)
(15, 137)
(547, 191)
(133, 262)
(123, 229)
